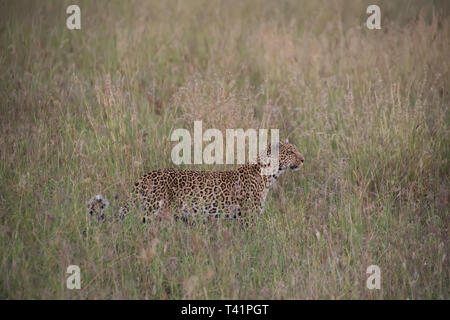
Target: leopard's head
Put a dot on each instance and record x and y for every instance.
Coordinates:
(289, 156)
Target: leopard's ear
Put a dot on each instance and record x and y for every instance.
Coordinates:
(286, 140)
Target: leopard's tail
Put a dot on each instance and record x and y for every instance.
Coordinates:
(96, 206)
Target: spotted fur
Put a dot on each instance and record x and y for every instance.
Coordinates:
(187, 192)
(233, 194)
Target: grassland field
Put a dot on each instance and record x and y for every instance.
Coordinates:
(88, 111)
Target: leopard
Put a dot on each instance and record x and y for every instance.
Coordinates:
(179, 193)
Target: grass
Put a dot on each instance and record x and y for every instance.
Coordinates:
(87, 112)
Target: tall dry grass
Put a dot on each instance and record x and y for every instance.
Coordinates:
(87, 112)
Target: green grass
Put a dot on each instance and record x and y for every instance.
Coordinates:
(87, 112)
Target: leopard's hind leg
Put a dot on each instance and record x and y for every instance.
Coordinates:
(157, 206)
